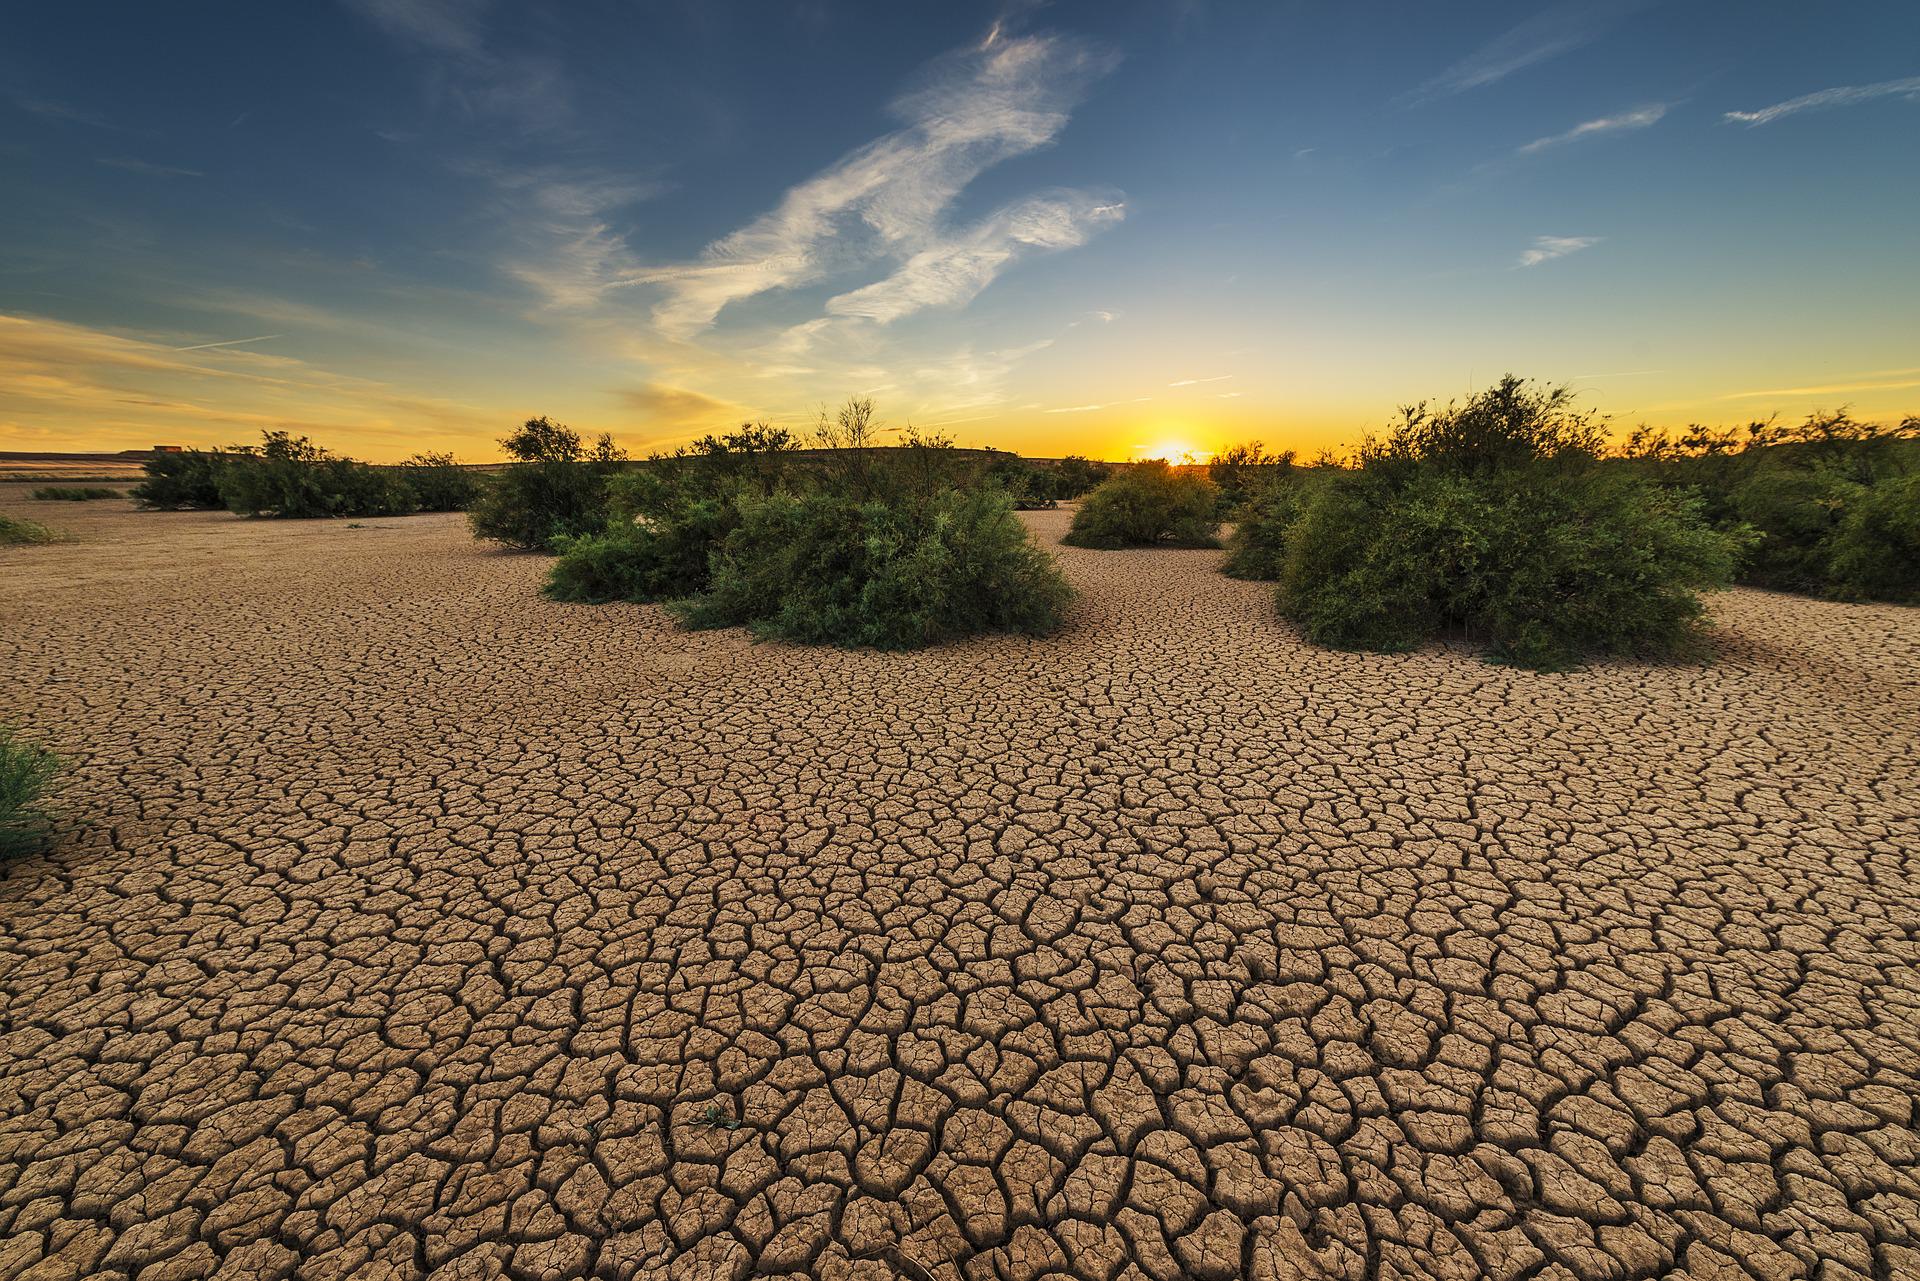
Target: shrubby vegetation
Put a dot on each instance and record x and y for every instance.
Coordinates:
(289, 476)
(1242, 472)
(1257, 548)
(891, 547)
(440, 484)
(187, 479)
(555, 490)
(26, 771)
(1832, 503)
(1149, 504)
(1494, 518)
(73, 493)
(19, 532)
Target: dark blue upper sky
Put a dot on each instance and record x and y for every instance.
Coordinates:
(1097, 226)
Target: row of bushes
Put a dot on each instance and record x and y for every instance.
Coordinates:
(16, 531)
(891, 547)
(73, 493)
(1831, 505)
(290, 476)
(1495, 518)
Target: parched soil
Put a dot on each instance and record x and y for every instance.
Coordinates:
(414, 924)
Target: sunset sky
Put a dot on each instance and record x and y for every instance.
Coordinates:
(1099, 228)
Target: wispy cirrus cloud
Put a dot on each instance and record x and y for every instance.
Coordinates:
(1641, 118)
(954, 269)
(1824, 99)
(523, 87)
(1548, 248)
(1833, 389)
(1194, 382)
(148, 168)
(887, 200)
(1555, 30)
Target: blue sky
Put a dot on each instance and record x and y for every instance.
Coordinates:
(1105, 227)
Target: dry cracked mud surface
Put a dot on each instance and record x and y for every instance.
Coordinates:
(415, 925)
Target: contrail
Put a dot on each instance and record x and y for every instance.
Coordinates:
(231, 342)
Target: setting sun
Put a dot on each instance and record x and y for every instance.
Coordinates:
(1172, 448)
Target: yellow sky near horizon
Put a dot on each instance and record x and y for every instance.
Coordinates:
(66, 387)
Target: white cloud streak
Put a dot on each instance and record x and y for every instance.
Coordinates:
(1549, 33)
(1548, 248)
(1642, 118)
(1843, 96)
(887, 199)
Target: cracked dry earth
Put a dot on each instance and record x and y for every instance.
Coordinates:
(416, 925)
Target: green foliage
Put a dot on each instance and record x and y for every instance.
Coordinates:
(1257, 548)
(1146, 505)
(439, 484)
(73, 494)
(556, 490)
(1075, 476)
(1239, 472)
(291, 477)
(188, 479)
(26, 771)
(1510, 424)
(1547, 565)
(1492, 518)
(887, 547)
(1825, 499)
(19, 532)
(1027, 487)
(916, 569)
(1875, 554)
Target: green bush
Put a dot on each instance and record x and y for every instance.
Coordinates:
(893, 547)
(439, 484)
(291, 477)
(1148, 504)
(1075, 476)
(827, 568)
(1257, 548)
(1546, 565)
(73, 494)
(1242, 472)
(19, 532)
(25, 773)
(1496, 519)
(1811, 493)
(188, 479)
(1875, 554)
(556, 490)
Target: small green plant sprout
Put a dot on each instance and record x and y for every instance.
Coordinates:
(715, 1117)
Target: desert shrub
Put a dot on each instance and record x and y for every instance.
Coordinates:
(1546, 565)
(1241, 471)
(916, 569)
(1875, 554)
(188, 479)
(1495, 518)
(1149, 504)
(893, 547)
(556, 489)
(1075, 476)
(73, 493)
(291, 477)
(26, 771)
(649, 560)
(20, 532)
(1809, 492)
(1257, 547)
(1027, 487)
(439, 484)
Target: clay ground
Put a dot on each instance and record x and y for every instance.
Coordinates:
(417, 925)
